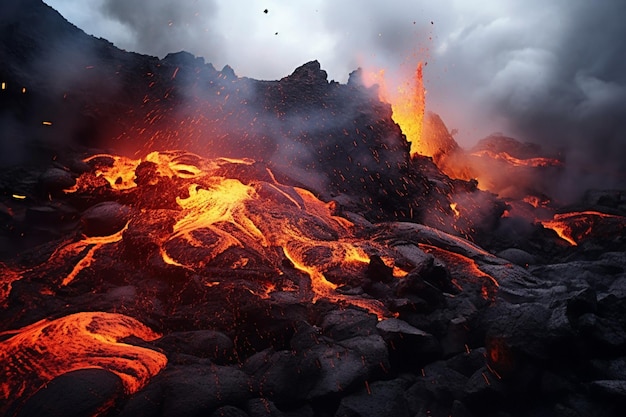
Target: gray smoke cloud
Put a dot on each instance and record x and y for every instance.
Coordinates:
(546, 72)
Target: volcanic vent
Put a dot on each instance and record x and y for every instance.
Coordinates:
(179, 240)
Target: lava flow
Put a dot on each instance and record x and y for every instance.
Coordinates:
(34, 355)
(246, 222)
(574, 227)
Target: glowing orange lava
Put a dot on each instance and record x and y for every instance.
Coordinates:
(574, 227)
(408, 104)
(455, 210)
(7, 277)
(47, 349)
(93, 243)
(529, 162)
(217, 216)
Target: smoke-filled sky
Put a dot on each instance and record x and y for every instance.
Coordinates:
(552, 72)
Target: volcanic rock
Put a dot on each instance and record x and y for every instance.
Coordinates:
(200, 343)
(341, 325)
(437, 385)
(349, 364)
(55, 179)
(284, 376)
(77, 393)
(436, 141)
(229, 411)
(409, 346)
(202, 387)
(377, 399)
(105, 218)
(517, 256)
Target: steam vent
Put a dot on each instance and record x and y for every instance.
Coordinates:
(180, 241)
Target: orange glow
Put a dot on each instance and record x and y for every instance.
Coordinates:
(121, 175)
(574, 227)
(7, 277)
(222, 219)
(464, 269)
(219, 216)
(46, 123)
(562, 229)
(222, 201)
(453, 207)
(49, 348)
(94, 243)
(535, 201)
(408, 104)
(3, 86)
(530, 162)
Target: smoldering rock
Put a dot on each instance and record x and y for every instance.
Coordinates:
(348, 364)
(484, 391)
(517, 326)
(467, 363)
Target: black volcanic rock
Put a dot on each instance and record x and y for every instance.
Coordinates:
(78, 393)
(105, 218)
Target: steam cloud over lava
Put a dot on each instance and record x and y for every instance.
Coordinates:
(550, 73)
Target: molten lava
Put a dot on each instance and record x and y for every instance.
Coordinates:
(408, 104)
(34, 355)
(576, 226)
(242, 223)
(517, 162)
